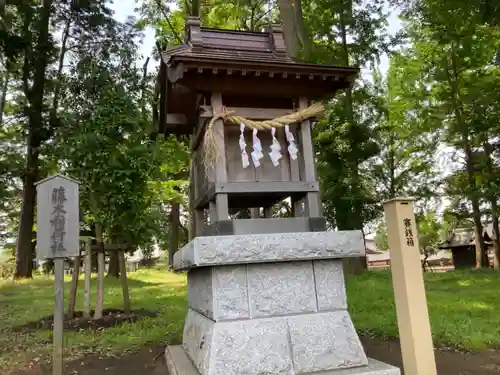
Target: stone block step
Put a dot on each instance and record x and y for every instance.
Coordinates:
(178, 363)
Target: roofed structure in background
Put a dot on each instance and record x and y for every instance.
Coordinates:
(458, 238)
(461, 242)
(466, 236)
(239, 65)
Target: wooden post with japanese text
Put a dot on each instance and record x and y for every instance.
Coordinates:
(57, 237)
(409, 291)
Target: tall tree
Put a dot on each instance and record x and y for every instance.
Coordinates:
(460, 49)
(37, 54)
(406, 134)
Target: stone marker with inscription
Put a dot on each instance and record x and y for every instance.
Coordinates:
(57, 238)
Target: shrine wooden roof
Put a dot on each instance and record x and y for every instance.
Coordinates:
(227, 45)
(240, 65)
(239, 50)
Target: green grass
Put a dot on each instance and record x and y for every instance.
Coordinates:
(151, 289)
(464, 309)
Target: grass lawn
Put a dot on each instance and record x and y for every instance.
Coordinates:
(151, 289)
(463, 307)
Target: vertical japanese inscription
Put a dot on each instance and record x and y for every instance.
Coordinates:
(58, 220)
(408, 232)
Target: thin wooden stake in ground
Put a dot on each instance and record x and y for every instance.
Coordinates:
(88, 275)
(74, 287)
(100, 273)
(123, 279)
(58, 338)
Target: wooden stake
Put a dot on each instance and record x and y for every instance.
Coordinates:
(87, 277)
(99, 306)
(58, 338)
(409, 291)
(123, 279)
(74, 287)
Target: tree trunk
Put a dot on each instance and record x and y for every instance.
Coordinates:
(494, 204)
(496, 235)
(99, 306)
(173, 242)
(481, 256)
(354, 265)
(35, 98)
(195, 8)
(3, 99)
(124, 282)
(113, 266)
(74, 287)
(454, 82)
(301, 30)
(287, 14)
(24, 249)
(87, 277)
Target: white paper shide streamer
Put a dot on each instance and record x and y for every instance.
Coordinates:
(257, 149)
(275, 153)
(243, 147)
(292, 148)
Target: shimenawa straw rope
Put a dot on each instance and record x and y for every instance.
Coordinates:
(211, 153)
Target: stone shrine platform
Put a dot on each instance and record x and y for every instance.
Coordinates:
(270, 304)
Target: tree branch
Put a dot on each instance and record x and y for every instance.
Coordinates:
(164, 10)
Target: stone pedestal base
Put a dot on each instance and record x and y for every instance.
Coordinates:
(178, 363)
(272, 304)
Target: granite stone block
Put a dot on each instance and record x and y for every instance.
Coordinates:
(281, 288)
(200, 291)
(197, 340)
(262, 248)
(219, 293)
(230, 292)
(251, 347)
(178, 363)
(330, 285)
(324, 341)
(374, 367)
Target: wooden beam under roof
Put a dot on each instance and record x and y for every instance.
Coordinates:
(174, 119)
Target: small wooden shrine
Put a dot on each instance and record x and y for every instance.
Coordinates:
(247, 106)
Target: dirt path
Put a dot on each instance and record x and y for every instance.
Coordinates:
(149, 361)
(448, 362)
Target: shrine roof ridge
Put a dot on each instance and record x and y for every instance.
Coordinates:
(261, 50)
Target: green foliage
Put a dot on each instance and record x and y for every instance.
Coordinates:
(125, 174)
(381, 240)
(429, 232)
